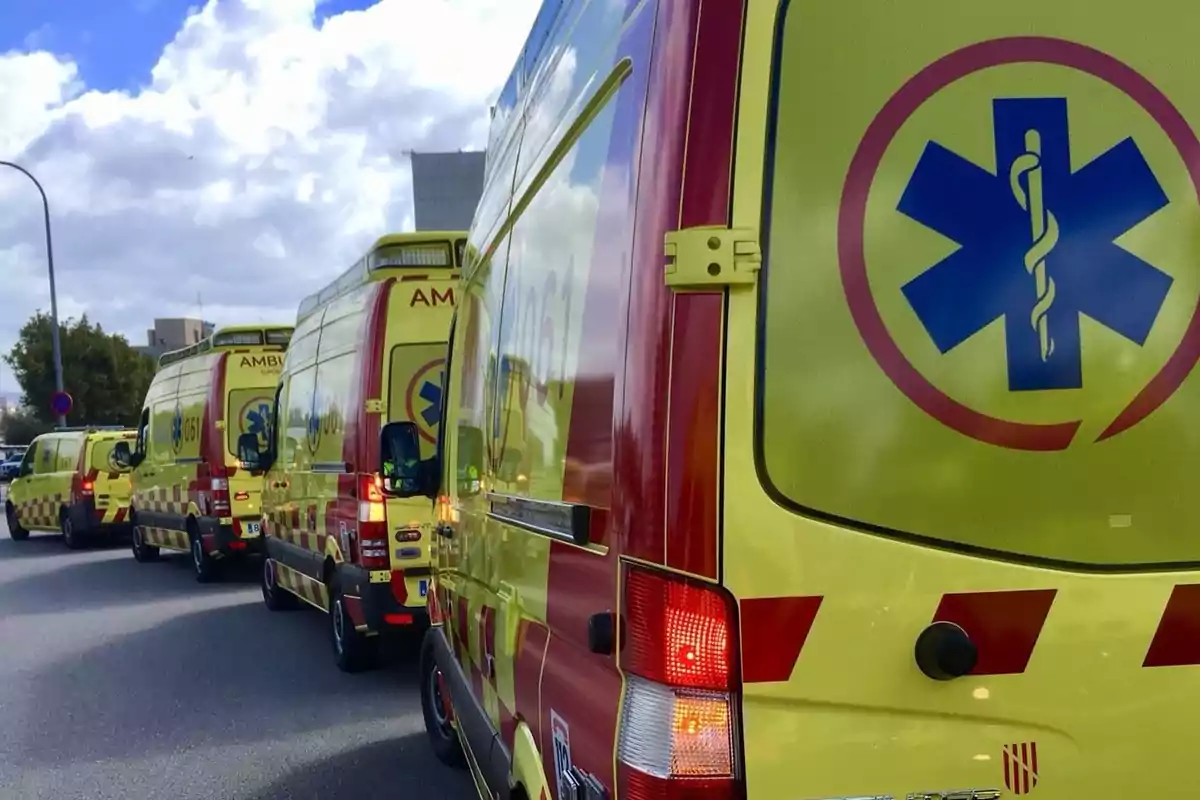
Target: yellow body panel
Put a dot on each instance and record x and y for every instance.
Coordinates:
(861, 496)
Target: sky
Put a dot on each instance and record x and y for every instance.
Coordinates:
(230, 156)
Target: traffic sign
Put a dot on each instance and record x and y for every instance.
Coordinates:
(61, 403)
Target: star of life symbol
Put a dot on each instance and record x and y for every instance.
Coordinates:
(1037, 244)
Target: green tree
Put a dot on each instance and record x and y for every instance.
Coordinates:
(104, 375)
(22, 426)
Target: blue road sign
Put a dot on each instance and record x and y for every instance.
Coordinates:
(61, 403)
(1037, 244)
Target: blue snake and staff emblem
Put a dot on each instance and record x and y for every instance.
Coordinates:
(1044, 228)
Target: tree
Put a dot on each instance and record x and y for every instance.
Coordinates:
(104, 375)
(22, 426)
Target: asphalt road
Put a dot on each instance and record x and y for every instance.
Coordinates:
(130, 681)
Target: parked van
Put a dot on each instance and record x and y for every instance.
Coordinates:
(368, 351)
(188, 493)
(69, 482)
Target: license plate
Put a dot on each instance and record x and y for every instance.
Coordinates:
(423, 587)
(251, 528)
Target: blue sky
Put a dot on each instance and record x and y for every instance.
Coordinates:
(114, 42)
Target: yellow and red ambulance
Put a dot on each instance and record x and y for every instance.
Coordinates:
(69, 483)
(368, 351)
(820, 410)
(189, 494)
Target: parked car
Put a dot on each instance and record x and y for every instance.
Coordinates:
(9, 467)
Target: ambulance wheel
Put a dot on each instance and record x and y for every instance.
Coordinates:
(203, 564)
(142, 552)
(435, 707)
(352, 651)
(72, 538)
(275, 598)
(15, 531)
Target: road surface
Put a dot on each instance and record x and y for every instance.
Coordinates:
(127, 681)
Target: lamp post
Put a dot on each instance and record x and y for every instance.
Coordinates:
(54, 338)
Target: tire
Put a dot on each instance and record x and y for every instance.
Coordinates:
(15, 531)
(72, 538)
(439, 726)
(142, 552)
(203, 565)
(352, 651)
(274, 597)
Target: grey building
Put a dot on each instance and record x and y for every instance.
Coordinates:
(172, 333)
(446, 189)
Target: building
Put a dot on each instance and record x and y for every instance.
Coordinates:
(172, 333)
(446, 189)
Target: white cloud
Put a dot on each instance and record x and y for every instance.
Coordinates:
(262, 155)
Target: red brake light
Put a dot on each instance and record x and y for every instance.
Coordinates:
(87, 487)
(372, 523)
(678, 633)
(680, 737)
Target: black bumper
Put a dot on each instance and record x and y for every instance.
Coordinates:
(221, 539)
(87, 520)
(378, 603)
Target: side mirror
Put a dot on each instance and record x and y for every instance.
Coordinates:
(249, 456)
(122, 456)
(404, 473)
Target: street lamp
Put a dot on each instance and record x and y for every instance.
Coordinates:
(54, 340)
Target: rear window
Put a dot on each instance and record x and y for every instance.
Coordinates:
(249, 412)
(917, 379)
(416, 390)
(100, 455)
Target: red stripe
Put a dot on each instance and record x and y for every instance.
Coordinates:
(695, 379)
(1176, 643)
(774, 630)
(1004, 626)
(1008, 783)
(120, 516)
(1033, 769)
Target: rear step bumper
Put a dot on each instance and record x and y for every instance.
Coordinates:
(221, 539)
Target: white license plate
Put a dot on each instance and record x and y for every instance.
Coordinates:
(423, 587)
(251, 528)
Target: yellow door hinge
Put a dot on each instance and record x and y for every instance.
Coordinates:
(374, 407)
(711, 256)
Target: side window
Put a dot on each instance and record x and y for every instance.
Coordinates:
(30, 458)
(47, 453)
(69, 449)
(444, 411)
(278, 412)
(143, 432)
(301, 394)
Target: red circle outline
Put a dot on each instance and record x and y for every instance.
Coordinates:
(408, 397)
(852, 225)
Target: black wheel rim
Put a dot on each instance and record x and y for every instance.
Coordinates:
(198, 554)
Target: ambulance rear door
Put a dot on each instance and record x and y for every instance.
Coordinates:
(959, 429)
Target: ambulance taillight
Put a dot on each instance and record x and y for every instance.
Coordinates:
(219, 488)
(679, 732)
(372, 523)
